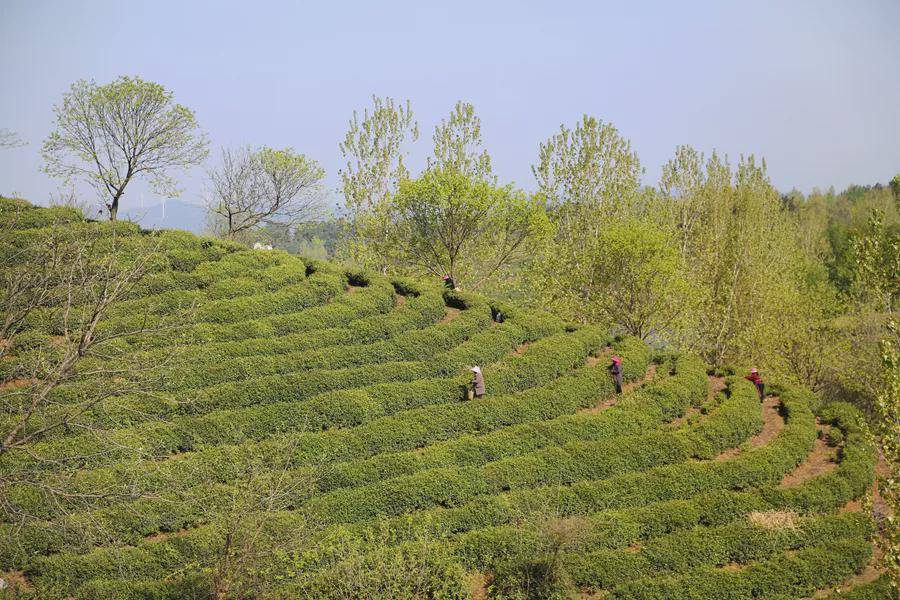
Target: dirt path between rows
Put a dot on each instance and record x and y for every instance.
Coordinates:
(521, 348)
(593, 361)
(820, 461)
(880, 512)
(773, 423)
(627, 388)
(716, 385)
(14, 581)
(15, 384)
(451, 314)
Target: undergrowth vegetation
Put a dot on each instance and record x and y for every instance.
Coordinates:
(303, 431)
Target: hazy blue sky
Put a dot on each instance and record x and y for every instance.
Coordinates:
(814, 87)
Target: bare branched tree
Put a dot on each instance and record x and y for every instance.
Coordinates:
(10, 139)
(74, 278)
(255, 188)
(265, 490)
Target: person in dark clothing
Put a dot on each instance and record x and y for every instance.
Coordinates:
(615, 369)
(477, 382)
(448, 281)
(756, 380)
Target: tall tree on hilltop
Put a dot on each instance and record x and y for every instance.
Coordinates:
(458, 145)
(254, 188)
(108, 135)
(374, 148)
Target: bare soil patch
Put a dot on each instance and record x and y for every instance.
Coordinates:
(478, 585)
(14, 384)
(399, 300)
(15, 580)
(520, 350)
(165, 535)
(451, 314)
(775, 520)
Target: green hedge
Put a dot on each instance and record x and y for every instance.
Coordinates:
(759, 466)
(565, 464)
(787, 576)
(412, 344)
(127, 411)
(63, 562)
(701, 391)
(618, 528)
(518, 415)
(414, 386)
(533, 363)
(14, 212)
(738, 543)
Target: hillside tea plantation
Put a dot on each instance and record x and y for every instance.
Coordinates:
(294, 429)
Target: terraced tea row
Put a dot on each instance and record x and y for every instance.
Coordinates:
(325, 408)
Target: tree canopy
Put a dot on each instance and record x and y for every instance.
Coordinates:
(252, 188)
(108, 135)
(448, 222)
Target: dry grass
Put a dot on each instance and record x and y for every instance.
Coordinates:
(477, 584)
(774, 519)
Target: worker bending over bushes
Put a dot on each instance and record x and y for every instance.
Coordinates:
(477, 390)
(615, 369)
(756, 380)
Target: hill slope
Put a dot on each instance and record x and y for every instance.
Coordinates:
(304, 432)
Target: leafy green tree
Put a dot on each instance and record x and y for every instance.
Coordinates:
(458, 145)
(374, 148)
(691, 188)
(887, 413)
(741, 251)
(266, 186)
(108, 135)
(586, 174)
(630, 275)
(895, 187)
(448, 222)
(876, 252)
(589, 178)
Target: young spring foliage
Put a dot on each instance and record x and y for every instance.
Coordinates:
(108, 135)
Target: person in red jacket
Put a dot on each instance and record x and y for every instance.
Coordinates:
(615, 369)
(754, 378)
